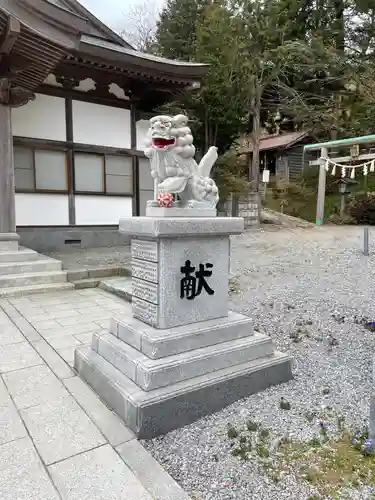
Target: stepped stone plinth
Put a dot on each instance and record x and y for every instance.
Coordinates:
(183, 354)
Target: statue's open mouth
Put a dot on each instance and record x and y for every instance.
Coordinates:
(162, 142)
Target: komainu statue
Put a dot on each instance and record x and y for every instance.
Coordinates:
(171, 152)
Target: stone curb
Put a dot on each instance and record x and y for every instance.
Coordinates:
(149, 472)
(124, 291)
(284, 218)
(91, 277)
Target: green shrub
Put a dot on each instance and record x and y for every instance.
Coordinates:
(361, 208)
(310, 178)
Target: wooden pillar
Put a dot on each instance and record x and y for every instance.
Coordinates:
(8, 236)
(321, 187)
(70, 159)
(68, 84)
(135, 159)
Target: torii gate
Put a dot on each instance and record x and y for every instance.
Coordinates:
(322, 162)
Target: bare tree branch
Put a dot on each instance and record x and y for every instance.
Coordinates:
(140, 21)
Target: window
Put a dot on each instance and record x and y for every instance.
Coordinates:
(89, 173)
(118, 175)
(24, 177)
(50, 170)
(37, 169)
(105, 174)
(40, 170)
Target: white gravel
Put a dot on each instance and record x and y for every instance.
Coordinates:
(288, 277)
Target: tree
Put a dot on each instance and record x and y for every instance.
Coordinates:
(270, 62)
(253, 59)
(177, 28)
(140, 24)
(215, 110)
(280, 59)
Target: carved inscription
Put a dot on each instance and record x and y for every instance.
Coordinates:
(145, 311)
(144, 270)
(145, 250)
(145, 290)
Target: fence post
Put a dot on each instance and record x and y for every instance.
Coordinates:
(234, 205)
(365, 241)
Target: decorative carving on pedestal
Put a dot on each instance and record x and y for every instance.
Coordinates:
(171, 152)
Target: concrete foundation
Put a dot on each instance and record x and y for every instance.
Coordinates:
(49, 239)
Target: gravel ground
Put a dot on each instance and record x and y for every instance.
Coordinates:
(288, 277)
(79, 258)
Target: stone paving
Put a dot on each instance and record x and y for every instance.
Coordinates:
(57, 439)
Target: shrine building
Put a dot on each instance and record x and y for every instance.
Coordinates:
(75, 103)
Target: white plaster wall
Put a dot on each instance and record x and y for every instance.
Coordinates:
(142, 128)
(34, 209)
(102, 210)
(101, 125)
(43, 118)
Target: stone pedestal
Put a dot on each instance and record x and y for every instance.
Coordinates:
(163, 295)
(183, 355)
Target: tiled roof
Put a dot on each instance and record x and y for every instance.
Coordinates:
(280, 141)
(140, 55)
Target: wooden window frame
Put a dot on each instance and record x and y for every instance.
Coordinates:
(36, 190)
(104, 156)
(65, 146)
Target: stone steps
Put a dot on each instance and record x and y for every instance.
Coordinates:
(37, 278)
(19, 291)
(25, 272)
(155, 412)
(120, 286)
(33, 266)
(22, 255)
(151, 374)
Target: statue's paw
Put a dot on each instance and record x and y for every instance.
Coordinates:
(173, 184)
(152, 203)
(192, 203)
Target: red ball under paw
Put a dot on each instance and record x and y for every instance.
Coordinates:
(165, 200)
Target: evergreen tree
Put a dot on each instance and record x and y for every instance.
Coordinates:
(177, 28)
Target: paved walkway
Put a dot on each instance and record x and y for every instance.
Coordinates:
(58, 441)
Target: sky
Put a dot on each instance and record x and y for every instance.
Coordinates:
(108, 11)
(111, 12)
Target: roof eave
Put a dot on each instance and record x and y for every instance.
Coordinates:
(49, 21)
(288, 145)
(293, 143)
(187, 72)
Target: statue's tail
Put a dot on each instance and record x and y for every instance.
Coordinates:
(207, 162)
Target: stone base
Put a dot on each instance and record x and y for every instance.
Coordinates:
(9, 242)
(180, 212)
(150, 414)
(159, 380)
